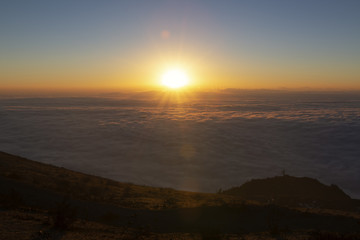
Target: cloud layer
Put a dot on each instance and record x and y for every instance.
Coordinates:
(201, 146)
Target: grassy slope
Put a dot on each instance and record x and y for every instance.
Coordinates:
(163, 210)
(295, 191)
(87, 187)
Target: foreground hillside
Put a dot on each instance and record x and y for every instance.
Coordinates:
(97, 189)
(40, 201)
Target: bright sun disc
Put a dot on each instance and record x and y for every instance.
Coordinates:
(175, 78)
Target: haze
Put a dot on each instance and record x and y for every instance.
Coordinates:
(106, 46)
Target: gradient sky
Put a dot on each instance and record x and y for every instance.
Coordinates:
(110, 45)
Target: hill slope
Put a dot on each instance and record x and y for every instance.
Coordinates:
(294, 191)
(92, 188)
(33, 189)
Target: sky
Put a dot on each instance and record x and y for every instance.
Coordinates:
(115, 45)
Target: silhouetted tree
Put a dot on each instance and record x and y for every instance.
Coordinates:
(64, 215)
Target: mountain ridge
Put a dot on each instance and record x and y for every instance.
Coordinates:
(294, 191)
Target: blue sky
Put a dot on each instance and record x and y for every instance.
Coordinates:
(235, 39)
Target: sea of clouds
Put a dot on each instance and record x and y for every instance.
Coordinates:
(208, 142)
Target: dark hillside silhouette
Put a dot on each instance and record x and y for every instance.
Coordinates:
(65, 201)
(294, 191)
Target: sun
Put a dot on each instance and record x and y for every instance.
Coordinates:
(175, 78)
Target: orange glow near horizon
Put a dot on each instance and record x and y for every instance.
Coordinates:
(157, 74)
(99, 50)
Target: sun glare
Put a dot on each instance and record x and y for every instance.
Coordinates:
(175, 78)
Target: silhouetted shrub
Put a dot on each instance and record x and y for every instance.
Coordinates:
(64, 215)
